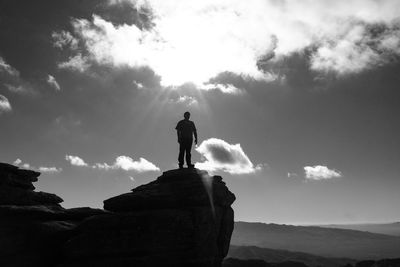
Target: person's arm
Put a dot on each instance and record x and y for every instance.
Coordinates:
(195, 133)
(178, 132)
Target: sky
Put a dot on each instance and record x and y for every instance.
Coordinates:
(295, 102)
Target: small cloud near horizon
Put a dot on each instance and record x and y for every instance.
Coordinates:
(121, 163)
(222, 156)
(75, 160)
(319, 172)
(43, 169)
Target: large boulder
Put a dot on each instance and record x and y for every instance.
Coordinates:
(175, 189)
(10, 195)
(34, 235)
(33, 226)
(183, 218)
(13, 176)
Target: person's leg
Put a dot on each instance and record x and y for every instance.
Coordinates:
(181, 154)
(188, 148)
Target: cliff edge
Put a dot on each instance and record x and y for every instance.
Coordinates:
(184, 218)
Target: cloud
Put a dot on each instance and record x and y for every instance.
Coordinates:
(121, 163)
(194, 41)
(17, 89)
(138, 85)
(128, 164)
(41, 169)
(222, 156)
(49, 169)
(53, 82)
(319, 172)
(4, 67)
(17, 162)
(185, 99)
(188, 100)
(225, 88)
(75, 63)
(11, 79)
(291, 174)
(75, 160)
(64, 39)
(5, 105)
(358, 48)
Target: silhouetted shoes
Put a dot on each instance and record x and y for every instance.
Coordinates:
(191, 166)
(180, 166)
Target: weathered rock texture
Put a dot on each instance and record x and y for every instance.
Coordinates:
(183, 218)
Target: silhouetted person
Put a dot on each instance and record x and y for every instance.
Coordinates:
(185, 130)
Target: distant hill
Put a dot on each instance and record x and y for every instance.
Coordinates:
(276, 256)
(231, 262)
(327, 242)
(378, 228)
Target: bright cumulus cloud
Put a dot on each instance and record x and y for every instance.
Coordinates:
(128, 164)
(222, 156)
(319, 172)
(122, 162)
(75, 160)
(193, 41)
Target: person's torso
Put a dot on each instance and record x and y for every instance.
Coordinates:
(187, 128)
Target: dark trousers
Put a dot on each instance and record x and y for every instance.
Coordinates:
(185, 146)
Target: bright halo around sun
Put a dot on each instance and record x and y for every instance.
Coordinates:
(190, 42)
(193, 41)
(197, 48)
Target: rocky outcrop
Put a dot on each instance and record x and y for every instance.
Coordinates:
(16, 188)
(33, 225)
(183, 218)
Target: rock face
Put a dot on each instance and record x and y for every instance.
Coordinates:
(33, 225)
(183, 218)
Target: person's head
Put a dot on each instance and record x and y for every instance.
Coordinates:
(186, 115)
